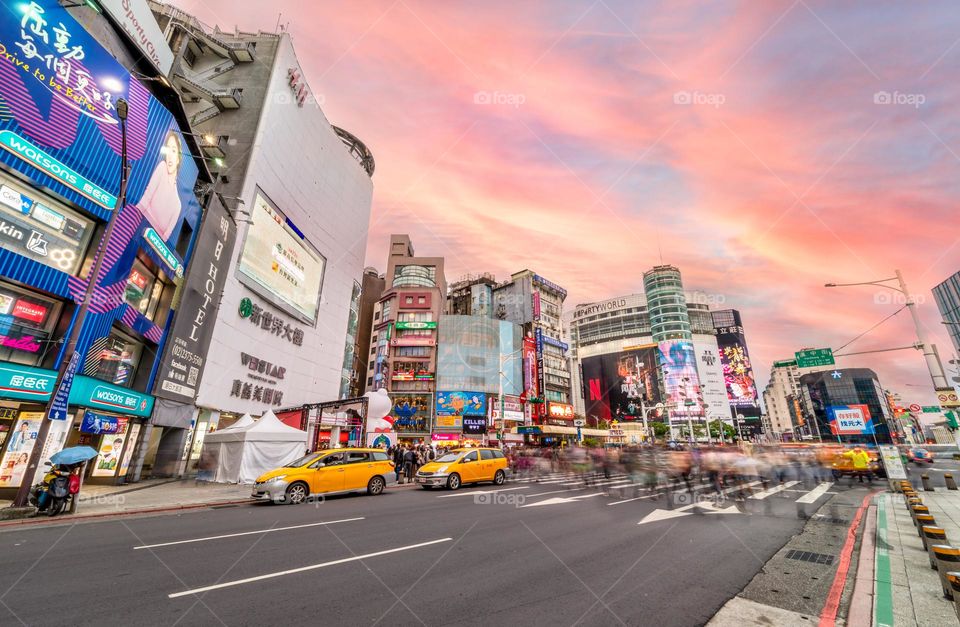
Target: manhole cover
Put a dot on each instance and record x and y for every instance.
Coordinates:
(807, 556)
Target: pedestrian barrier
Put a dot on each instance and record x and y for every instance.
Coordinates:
(925, 479)
(950, 481)
(953, 578)
(930, 535)
(916, 510)
(946, 558)
(922, 520)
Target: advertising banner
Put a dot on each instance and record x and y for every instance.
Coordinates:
(22, 438)
(96, 424)
(411, 412)
(59, 89)
(188, 340)
(512, 408)
(474, 425)
(737, 371)
(279, 264)
(684, 397)
(616, 384)
(108, 456)
(541, 385)
(530, 374)
(712, 381)
(850, 419)
(136, 19)
(461, 404)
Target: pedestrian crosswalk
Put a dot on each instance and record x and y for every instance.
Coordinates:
(625, 489)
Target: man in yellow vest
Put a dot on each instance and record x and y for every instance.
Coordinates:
(861, 463)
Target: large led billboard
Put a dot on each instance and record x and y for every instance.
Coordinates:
(681, 383)
(738, 376)
(461, 404)
(614, 384)
(279, 264)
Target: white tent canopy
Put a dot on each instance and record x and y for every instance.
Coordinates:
(243, 452)
(245, 421)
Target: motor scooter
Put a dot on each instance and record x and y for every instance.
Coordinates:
(60, 484)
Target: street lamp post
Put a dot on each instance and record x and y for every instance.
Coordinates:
(69, 360)
(933, 362)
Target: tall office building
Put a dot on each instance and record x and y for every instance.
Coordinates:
(405, 337)
(947, 295)
(472, 295)
(666, 304)
(536, 303)
(782, 401)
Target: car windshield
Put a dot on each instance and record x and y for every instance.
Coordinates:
(919, 451)
(303, 461)
(449, 457)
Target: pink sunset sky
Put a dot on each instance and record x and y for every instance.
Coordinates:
(765, 148)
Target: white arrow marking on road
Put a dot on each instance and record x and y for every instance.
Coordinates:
(245, 533)
(665, 514)
(303, 569)
(814, 494)
(559, 499)
(471, 492)
(780, 488)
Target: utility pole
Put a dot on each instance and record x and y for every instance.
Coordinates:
(70, 359)
(933, 361)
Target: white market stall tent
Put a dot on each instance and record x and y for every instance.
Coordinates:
(243, 452)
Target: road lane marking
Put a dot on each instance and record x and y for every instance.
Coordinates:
(447, 496)
(302, 569)
(565, 490)
(636, 498)
(245, 533)
(816, 493)
(780, 488)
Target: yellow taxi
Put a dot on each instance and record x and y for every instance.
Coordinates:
(464, 465)
(336, 471)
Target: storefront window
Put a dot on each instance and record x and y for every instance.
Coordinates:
(42, 229)
(143, 290)
(117, 360)
(26, 325)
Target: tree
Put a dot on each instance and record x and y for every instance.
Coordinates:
(660, 429)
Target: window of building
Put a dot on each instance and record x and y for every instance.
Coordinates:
(27, 322)
(421, 300)
(144, 287)
(376, 315)
(413, 351)
(42, 229)
(117, 359)
(408, 300)
(415, 316)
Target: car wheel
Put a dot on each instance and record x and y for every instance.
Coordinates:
(375, 486)
(453, 482)
(837, 474)
(499, 478)
(296, 493)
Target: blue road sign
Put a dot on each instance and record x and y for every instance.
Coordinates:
(58, 406)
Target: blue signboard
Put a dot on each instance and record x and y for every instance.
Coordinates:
(94, 423)
(25, 382)
(58, 94)
(461, 404)
(61, 398)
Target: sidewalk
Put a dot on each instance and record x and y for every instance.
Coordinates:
(147, 496)
(906, 590)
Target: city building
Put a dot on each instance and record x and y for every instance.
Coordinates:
(405, 337)
(472, 295)
(478, 357)
(666, 304)
(60, 185)
(848, 405)
(737, 369)
(947, 295)
(371, 289)
(536, 304)
(781, 398)
(284, 335)
(615, 367)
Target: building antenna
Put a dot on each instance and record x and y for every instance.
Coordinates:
(659, 247)
(279, 15)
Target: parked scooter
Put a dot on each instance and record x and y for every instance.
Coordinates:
(58, 487)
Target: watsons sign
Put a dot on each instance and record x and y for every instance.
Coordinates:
(596, 308)
(90, 392)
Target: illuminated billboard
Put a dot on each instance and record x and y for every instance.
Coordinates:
(681, 383)
(737, 370)
(850, 419)
(279, 264)
(59, 90)
(614, 384)
(461, 404)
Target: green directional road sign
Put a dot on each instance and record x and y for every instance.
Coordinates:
(815, 358)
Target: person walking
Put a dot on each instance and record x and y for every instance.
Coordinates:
(398, 460)
(409, 464)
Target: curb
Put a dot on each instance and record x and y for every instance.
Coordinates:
(41, 521)
(861, 604)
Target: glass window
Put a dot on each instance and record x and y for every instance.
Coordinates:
(334, 459)
(356, 458)
(485, 454)
(118, 358)
(144, 287)
(41, 228)
(421, 300)
(26, 325)
(379, 456)
(470, 457)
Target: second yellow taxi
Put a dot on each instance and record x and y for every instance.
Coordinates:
(465, 465)
(324, 473)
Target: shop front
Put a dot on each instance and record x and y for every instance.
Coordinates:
(101, 415)
(411, 418)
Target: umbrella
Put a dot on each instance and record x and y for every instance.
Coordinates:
(73, 455)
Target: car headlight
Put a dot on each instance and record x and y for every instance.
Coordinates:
(442, 470)
(277, 478)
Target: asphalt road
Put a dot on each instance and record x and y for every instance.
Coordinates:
(528, 553)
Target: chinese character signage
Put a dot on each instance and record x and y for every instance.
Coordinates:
(850, 419)
(185, 351)
(264, 376)
(269, 322)
(95, 424)
(26, 383)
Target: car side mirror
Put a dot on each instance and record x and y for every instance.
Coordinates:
(465, 461)
(47, 463)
